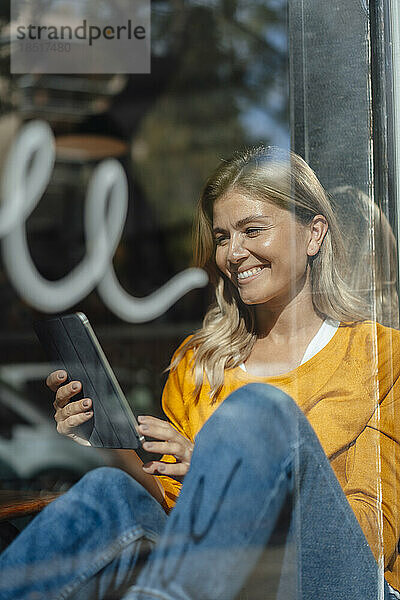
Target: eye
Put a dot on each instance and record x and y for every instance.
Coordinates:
(253, 231)
(220, 240)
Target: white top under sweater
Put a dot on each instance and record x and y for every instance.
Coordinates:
(324, 335)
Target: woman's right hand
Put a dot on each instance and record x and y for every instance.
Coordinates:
(69, 414)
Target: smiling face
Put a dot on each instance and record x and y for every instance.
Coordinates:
(263, 249)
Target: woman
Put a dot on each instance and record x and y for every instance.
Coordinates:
(282, 316)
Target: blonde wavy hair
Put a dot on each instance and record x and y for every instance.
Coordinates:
(369, 239)
(228, 333)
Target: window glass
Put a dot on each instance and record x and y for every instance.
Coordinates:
(218, 82)
(296, 286)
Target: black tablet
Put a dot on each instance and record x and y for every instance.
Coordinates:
(72, 345)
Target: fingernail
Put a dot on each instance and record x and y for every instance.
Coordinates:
(75, 386)
(141, 418)
(61, 375)
(86, 402)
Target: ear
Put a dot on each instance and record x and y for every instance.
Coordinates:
(318, 229)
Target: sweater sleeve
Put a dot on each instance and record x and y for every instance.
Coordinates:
(373, 478)
(174, 408)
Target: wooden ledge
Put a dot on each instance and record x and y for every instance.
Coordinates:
(83, 148)
(21, 503)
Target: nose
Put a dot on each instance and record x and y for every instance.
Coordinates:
(236, 250)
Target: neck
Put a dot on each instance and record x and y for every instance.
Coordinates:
(288, 319)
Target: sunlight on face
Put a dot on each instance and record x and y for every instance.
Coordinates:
(261, 248)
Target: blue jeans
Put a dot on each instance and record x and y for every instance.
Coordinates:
(108, 538)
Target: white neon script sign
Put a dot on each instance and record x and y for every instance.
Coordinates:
(26, 175)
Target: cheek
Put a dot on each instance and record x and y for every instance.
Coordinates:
(220, 258)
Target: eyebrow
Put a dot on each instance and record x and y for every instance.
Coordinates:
(242, 222)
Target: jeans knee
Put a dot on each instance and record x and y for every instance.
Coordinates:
(97, 479)
(109, 503)
(109, 491)
(262, 393)
(255, 409)
(260, 400)
(107, 483)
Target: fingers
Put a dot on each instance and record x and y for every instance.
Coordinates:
(160, 468)
(171, 442)
(65, 393)
(72, 415)
(69, 415)
(73, 408)
(173, 448)
(66, 425)
(157, 428)
(55, 379)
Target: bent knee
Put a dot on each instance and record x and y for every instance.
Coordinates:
(108, 480)
(104, 476)
(257, 408)
(264, 392)
(110, 498)
(261, 398)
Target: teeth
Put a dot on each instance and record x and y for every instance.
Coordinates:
(249, 273)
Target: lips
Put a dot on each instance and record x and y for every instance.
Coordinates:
(247, 275)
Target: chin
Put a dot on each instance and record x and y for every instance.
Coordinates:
(253, 300)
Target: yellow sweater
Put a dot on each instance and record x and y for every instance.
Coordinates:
(350, 392)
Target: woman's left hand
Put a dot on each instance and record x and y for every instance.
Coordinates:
(172, 442)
